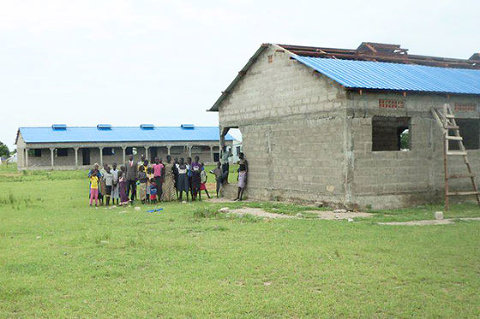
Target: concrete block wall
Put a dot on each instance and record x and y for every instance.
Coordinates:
(307, 138)
(283, 166)
(387, 173)
(278, 89)
(404, 178)
(292, 133)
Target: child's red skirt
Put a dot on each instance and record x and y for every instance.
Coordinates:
(203, 187)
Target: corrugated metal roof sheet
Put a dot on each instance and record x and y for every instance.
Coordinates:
(120, 134)
(395, 76)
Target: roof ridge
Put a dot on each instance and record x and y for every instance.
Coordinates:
(381, 52)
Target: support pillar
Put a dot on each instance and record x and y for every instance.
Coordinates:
(189, 150)
(211, 154)
(52, 156)
(26, 158)
(101, 156)
(168, 149)
(75, 150)
(223, 133)
(123, 154)
(146, 153)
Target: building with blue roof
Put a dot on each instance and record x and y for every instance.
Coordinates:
(64, 147)
(352, 127)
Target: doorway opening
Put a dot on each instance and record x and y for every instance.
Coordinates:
(85, 156)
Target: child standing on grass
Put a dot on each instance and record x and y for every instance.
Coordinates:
(153, 191)
(142, 184)
(203, 182)
(94, 187)
(115, 194)
(242, 176)
(158, 174)
(150, 176)
(108, 178)
(102, 189)
(218, 172)
(182, 182)
(196, 169)
(122, 186)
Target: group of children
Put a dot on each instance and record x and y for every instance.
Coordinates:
(111, 184)
(189, 177)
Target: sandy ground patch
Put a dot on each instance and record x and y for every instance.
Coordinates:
(429, 222)
(468, 218)
(420, 222)
(331, 215)
(321, 214)
(217, 200)
(258, 212)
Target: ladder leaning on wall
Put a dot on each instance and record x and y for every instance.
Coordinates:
(446, 119)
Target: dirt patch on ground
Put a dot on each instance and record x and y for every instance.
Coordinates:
(321, 214)
(218, 200)
(429, 222)
(331, 215)
(420, 222)
(468, 218)
(258, 212)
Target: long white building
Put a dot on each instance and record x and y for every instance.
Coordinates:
(64, 147)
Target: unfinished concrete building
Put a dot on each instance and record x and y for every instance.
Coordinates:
(352, 127)
(64, 147)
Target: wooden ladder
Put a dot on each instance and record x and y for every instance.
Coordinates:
(446, 119)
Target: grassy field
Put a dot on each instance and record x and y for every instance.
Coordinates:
(61, 258)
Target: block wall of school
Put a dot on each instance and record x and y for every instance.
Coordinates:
(384, 179)
(296, 160)
(276, 87)
(292, 125)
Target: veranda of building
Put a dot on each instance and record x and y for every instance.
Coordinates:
(322, 124)
(64, 147)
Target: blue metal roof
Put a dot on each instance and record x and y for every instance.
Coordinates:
(120, 134)
(395, 76)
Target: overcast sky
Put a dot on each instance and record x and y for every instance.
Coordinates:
(165, 62)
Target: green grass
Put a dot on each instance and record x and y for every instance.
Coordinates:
(61, 258)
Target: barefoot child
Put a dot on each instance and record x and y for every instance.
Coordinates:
(150, 176)
(122, 186)
(94, 187)
(218, 176)
(203, 182)
(242, 176)
(108, 179)
(115, 193)
(182, 182)
(153, 191)
(196, 169)
(142, 184)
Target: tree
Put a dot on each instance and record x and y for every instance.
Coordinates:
(4, 151)
(405, 140)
